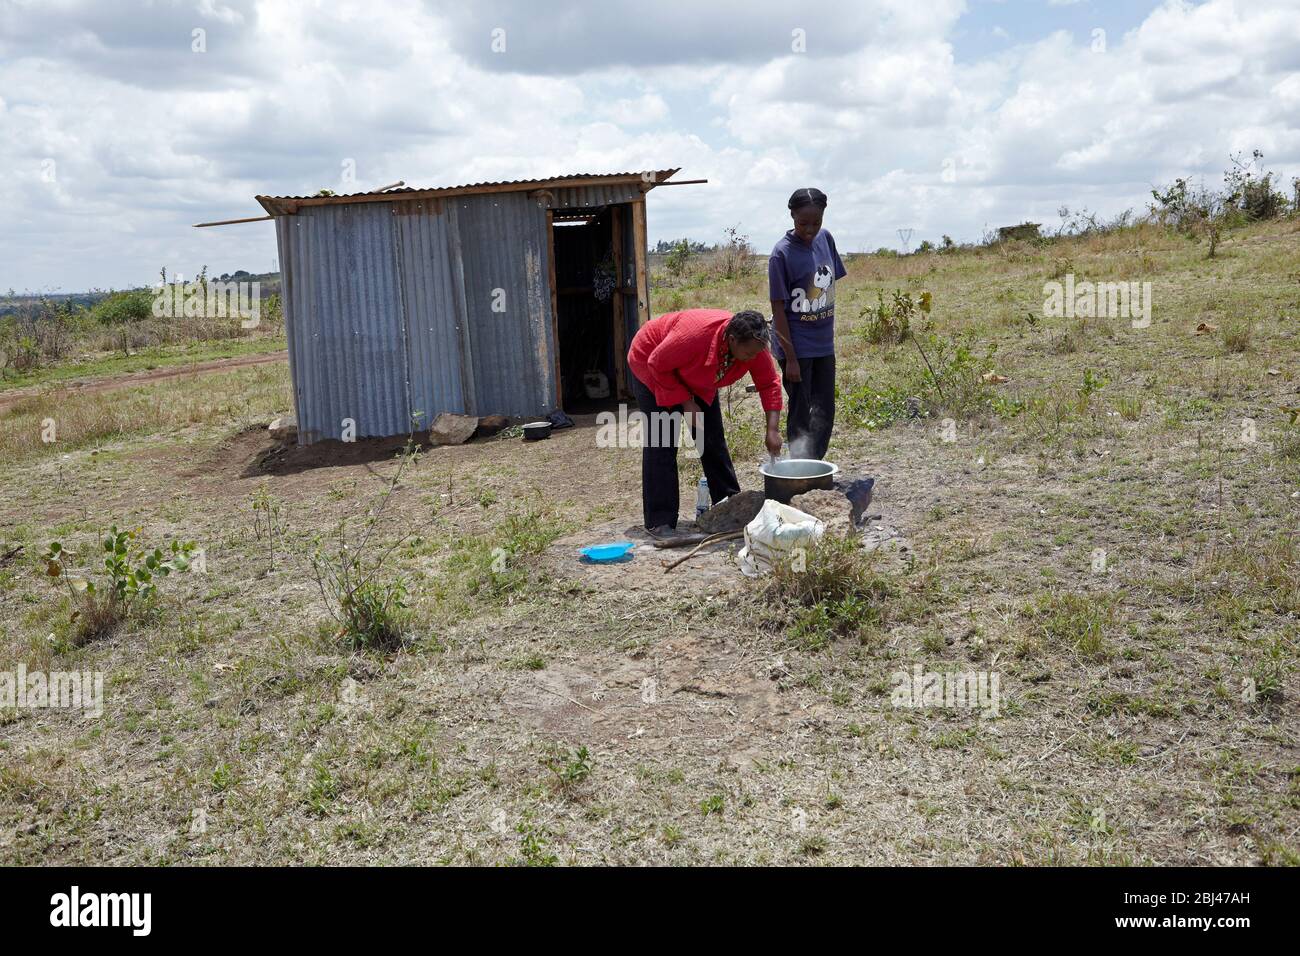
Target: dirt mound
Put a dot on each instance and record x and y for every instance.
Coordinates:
(732, 514)
(831, 507)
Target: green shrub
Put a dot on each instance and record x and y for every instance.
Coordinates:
(832, 589)
(366, 601)
(678, 259)
(122, 310)
(891, 322)
(129, 580)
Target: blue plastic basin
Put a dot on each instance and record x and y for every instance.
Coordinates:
(604, 553)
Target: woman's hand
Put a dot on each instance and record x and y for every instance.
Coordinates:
(773, 440)
(692, 415)
(792, 370)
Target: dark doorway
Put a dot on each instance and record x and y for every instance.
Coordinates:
(588, 278)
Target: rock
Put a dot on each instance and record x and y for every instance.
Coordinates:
(452, 429)
(733, 514)
(831, 507)
(284, 428)
(490, 425)
(859, 492)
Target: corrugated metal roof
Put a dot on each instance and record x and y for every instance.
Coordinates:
(285, 205)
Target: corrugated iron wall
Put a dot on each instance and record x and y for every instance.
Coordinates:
(418, 307)
(347, 341)
(504, 246)
(433, 304)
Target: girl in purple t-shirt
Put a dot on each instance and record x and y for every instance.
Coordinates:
(801, 275)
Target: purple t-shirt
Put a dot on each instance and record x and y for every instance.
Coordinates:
(803, 276)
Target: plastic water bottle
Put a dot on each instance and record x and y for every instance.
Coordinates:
(702, 497)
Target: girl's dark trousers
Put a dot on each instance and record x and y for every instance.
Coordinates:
(812, 407)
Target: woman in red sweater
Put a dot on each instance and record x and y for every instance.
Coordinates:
(679, 361)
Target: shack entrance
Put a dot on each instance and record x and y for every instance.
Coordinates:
(598, 301)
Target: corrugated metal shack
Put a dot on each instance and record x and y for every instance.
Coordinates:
(403, 304)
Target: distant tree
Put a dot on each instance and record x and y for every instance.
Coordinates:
(679, 257)
(122, 310)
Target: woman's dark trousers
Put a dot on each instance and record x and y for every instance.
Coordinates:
(660, 500)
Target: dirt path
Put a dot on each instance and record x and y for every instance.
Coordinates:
(109, 383)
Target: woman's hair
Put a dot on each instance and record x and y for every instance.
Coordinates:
(807, 197)
(748, 326)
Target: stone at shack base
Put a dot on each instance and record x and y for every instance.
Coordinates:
(732, 514)
(830, 507)
(284, 428)
(452, 429)
(490, 425)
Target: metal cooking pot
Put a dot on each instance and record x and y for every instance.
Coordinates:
(536, 431)
(782, 480)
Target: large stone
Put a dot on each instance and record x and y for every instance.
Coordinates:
(284, 428)
(452, 429)
(490, 425)
(831, 507)
(732, 514)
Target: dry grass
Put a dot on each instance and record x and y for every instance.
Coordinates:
(545, 712)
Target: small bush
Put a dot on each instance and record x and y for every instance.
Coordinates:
(569, 768)
(678, 259)
(873, 406)
(368, 604)
(374, 614)
(953, 378)
(1079, 620)
(833, 590)
(889, 323)
(122, 311)
(1236, 336)
(128, 583)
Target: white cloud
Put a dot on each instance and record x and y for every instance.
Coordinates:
(147, 136)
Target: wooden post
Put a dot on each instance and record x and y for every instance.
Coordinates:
(620, 322)
(555, 307)
(642, 278)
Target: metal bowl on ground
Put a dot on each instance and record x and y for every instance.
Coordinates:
(782, 480)
(536, 431)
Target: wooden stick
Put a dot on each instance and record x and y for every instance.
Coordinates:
(231, 222)
(568, 698)
(721, 536)
(681, 182)
(682, 540)
(929, 366)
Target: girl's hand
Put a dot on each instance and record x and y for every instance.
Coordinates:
(773, 442)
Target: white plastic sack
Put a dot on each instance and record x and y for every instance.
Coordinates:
(773, 534)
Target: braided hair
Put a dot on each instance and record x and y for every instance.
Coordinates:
(748, 326)
(807, 197)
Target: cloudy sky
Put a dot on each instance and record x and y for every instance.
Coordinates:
(124, 121)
